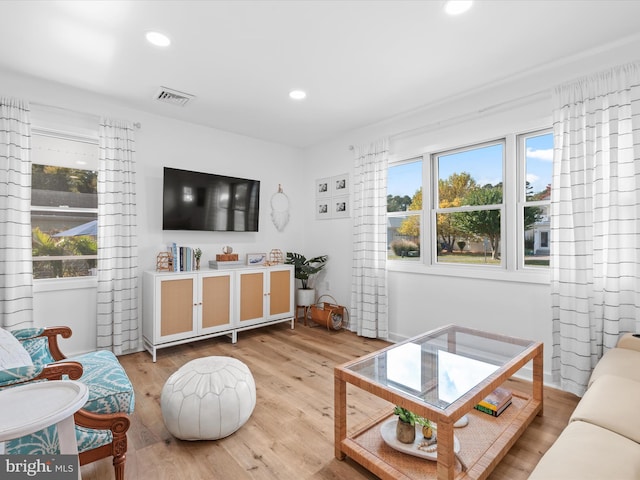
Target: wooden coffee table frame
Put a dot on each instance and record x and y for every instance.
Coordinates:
(366, 446)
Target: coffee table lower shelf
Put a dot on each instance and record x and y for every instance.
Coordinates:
(483, 443)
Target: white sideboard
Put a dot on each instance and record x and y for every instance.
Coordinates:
(182, 307)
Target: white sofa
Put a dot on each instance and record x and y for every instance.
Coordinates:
(602, 439)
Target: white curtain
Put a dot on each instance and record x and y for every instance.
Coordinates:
(595, 206)
(16, 269)
(369, 275)
(118, 327)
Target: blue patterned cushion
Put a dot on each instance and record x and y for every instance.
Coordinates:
(45, 442)
(38, 349)
(110, 390)
(19, 374)
(24, 333)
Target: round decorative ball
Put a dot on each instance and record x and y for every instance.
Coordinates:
(208, 398)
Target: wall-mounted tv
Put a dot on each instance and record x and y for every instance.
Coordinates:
(204, 201)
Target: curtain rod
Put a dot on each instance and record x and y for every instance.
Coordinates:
(497, 107)
(77, 112)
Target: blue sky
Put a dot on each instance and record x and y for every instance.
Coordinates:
(484, 165)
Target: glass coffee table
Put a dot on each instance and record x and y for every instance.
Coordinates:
(440, 375)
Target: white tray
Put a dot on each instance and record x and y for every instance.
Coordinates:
(388, 431)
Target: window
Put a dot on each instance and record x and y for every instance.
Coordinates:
(486, 206)
(64, 207)
(469, 205)
(535, 152)
(404, 210)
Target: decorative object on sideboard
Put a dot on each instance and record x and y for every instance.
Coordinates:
(164, 262)
(256, 259)
(225, 259)
(276, 257)
(197, 254)
(280, 209)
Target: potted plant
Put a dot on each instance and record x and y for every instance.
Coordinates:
(406, 426)
(305, 271)
(197, 253)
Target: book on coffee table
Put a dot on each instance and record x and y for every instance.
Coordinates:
(495, 403)
(489, 411)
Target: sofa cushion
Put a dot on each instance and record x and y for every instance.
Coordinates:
(110, 390)
(622, 362)
(612, 403)
(584, 451)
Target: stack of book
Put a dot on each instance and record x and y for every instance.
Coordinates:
(496, 402)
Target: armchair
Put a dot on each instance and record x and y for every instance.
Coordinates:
(102, 423)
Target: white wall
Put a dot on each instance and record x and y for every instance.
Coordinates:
(426, 299)
(165, 142)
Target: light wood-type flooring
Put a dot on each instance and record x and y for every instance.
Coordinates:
(290, 433)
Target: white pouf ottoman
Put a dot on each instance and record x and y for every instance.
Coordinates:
(208, 398)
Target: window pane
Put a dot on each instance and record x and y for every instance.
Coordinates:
(64, 268)
(63, 187)
(403, 237)
(536, 236)
(471, 177)
(404, 187)
(469, 237)
(538, 161)
(63, 221)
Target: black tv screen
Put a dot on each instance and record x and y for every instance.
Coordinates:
(204, 201)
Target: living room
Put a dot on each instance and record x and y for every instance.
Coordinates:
(421, 297)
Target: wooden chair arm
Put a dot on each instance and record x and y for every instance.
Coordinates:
(52, 337)
(55, 371)
(118, 423)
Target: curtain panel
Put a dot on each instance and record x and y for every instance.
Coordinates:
(16, 268)
(118, 328)
(369, 274)
(595, 226)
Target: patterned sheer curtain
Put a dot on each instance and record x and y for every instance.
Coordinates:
(16, 269)
(595, 208)
(118, 328)
(369, 277)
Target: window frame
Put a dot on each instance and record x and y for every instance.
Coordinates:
(436, 210)
(522, 202)
(512, 243)
(46, 132)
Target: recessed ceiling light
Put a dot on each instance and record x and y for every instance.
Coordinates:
(297, 94)
(456, 7)
(158, 39)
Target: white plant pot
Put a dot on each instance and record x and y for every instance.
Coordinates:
(305, 296)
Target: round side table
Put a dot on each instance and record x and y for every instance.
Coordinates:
(28, 408)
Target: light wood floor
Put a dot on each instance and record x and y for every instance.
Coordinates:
(290, 433)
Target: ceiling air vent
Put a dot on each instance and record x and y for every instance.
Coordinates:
(173, 97)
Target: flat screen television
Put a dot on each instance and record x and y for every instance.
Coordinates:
(205, 201)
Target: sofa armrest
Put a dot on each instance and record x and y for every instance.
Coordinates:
(630, 342)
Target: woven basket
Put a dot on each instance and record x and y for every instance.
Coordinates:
(330, 315)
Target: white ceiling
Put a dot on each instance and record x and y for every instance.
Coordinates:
(360, 61)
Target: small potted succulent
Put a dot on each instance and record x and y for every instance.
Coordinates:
(406, 426)
(197, 253)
